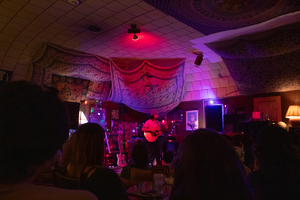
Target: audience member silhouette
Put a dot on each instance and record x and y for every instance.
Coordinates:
(207, 167)
(168, 157)
(278, 165)
(33, 126)
(139, 159)
(86, 162)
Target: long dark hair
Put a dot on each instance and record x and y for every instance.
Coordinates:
(207, 167)
(88, 149)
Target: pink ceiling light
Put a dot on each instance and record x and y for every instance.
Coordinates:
(134, 30)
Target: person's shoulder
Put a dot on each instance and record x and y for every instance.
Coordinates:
(64, 194)
(19, 191)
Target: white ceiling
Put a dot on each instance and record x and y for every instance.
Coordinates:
(26, 25)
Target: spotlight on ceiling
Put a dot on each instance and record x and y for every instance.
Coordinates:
(134, 30)
(135, 37)
(198, 60)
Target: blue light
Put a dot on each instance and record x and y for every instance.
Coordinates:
(211, 102)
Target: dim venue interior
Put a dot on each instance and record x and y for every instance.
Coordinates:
(153, 74)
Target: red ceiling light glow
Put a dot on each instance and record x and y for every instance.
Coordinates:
(135, 37)
(134, 30)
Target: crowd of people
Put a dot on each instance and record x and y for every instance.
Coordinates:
(34, 127)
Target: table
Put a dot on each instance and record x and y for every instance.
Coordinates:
(147, 192)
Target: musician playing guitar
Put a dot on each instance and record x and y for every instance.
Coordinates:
(153, 131)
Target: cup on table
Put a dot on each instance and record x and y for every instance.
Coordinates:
(158, 182)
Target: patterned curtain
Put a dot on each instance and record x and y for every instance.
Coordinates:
(70, 89)
(149, 86)
(263, 62)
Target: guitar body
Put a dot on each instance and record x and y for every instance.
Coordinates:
(121, 162)
(151, 136)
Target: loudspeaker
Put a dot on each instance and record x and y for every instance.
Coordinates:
(73, 113)
(233, 120)
(214, 117)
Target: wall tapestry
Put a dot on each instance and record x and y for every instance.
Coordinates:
(73, 64)
(263, 62)
(149, 86)
(70, 89)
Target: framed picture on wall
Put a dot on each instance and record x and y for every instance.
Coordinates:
(192, 120)
(269, 107)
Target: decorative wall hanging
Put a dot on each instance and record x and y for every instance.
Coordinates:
(263, 62)
(114, 114)
(70, 89)
(73, 64)
(162, 90)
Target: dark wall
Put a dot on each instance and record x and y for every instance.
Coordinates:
(242, 105)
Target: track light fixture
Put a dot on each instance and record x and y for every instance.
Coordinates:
(134, 30)
(198, 60)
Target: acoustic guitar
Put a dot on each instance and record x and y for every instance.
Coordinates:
(151, 136)
(121, 162)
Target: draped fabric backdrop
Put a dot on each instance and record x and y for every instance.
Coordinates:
(263, 62)
(52, 61)
(149, 86)
(140, 84)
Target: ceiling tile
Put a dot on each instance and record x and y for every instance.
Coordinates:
(214, 83)
(115, 6)
(224, 82)
(124, 16)
(206, 75)
(203, 94)
(181, 32)
(10, 5)
(188, 86)
(75, 15)
(14, 53)
(129, 3)
(160, 22)
(47, 18)
(63, 6)
(155, 14)
(33, 9)
(7, 12)
(221, 92)
(197, 85)
(197, 76)
(135, 10)
(195, 95)
(187, 96)
(96, 19)
(9, 62)
(205, 84)
(213, 73)
(84, 9)
(19, 45)
(95, 4)
(212, 93)
(104, 12)
(55, 12)
(112, 21)
(146, 6)
(6, 38)
(41, 4)
(23, 2)
(21, 70)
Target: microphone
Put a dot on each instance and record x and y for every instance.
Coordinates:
(190, 125)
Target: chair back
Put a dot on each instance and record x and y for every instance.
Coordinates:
(140, 174)
(65, 182)
(160, 170)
